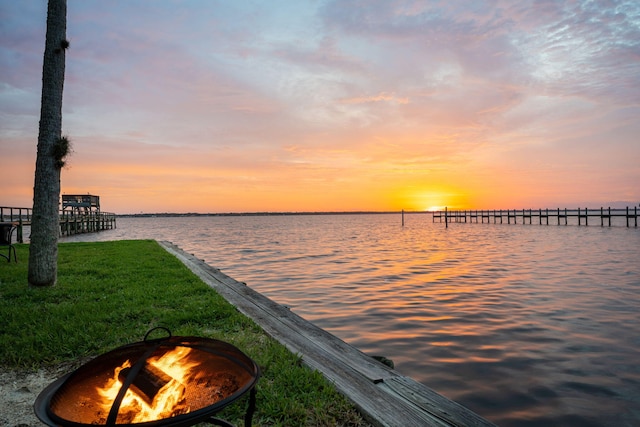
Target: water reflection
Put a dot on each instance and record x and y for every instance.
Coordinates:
(526, 325)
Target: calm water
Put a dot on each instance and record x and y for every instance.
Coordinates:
(527, 325)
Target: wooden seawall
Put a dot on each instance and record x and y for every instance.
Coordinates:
(383, 396)
(541, 216)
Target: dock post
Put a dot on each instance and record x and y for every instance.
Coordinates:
(579, 218)
(61, 223)
(547, 215)
(403, 217)
(19, 231)
(586, 217)
(446, 219)
(602, 216)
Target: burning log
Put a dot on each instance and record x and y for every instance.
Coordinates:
(148, 383)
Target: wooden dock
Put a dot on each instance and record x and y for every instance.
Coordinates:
(627, 216)
(382, 395)
(70, 222)
(90, 222)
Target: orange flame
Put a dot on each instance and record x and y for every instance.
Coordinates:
(169, 400)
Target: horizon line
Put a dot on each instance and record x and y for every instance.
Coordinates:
(360, 212)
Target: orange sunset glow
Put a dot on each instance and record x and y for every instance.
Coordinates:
(331, 105)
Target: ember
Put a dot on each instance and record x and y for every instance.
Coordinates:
(156, 392)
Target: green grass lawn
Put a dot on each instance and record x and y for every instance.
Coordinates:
(111, 293)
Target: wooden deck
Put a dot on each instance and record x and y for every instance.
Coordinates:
(70, 222)
(382, 395)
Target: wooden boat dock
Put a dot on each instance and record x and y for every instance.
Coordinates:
(86, 223)
(382, 395)
(627, 216)
(71, 222)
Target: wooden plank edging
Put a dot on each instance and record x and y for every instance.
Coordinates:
(383, 396)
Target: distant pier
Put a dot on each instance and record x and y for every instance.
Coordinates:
(602, 216)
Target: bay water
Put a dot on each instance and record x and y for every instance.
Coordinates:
(527, 325)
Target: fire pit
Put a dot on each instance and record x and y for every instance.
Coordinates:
(171, 381)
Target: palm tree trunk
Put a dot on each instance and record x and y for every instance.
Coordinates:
(43, 249)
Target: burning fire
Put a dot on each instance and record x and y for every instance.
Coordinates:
(157, 392)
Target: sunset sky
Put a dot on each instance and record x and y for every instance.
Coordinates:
(243, 106)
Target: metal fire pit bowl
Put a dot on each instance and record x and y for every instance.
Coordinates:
(223, 374)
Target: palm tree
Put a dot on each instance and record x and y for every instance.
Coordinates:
(52, 148)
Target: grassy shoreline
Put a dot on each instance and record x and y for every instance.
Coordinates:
(111, 293)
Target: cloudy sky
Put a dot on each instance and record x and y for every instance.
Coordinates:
(235, 106)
